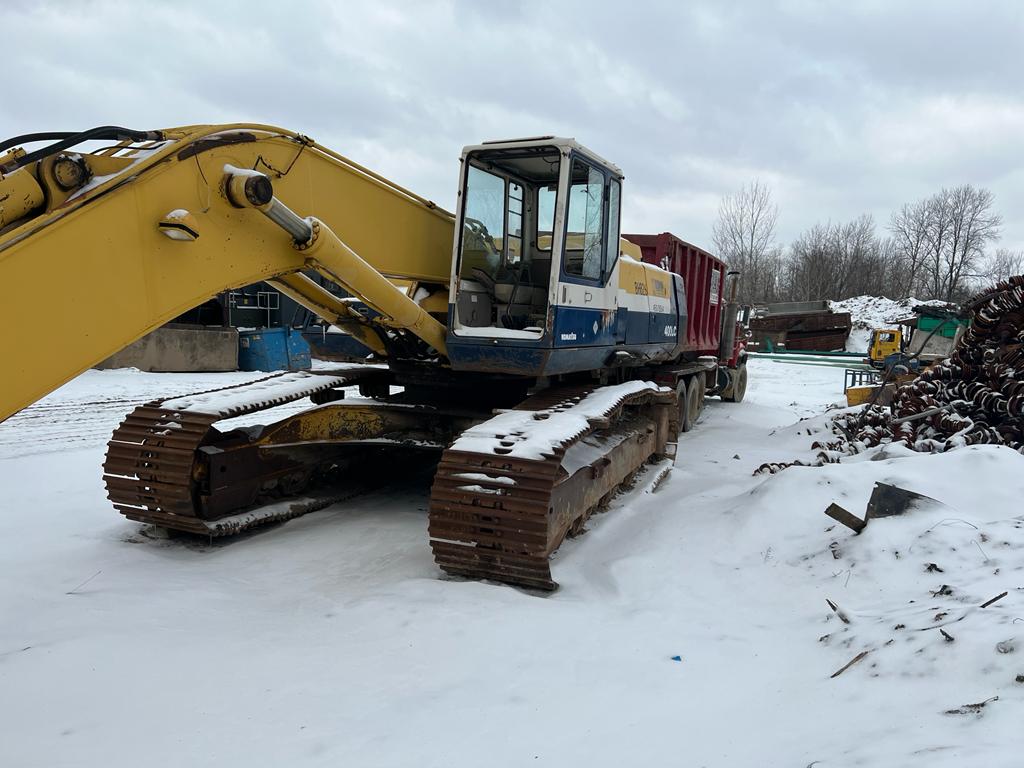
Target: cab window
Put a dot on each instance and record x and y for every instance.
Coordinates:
(483, 235)
(546, 198)
(613, 225)
(585, 236)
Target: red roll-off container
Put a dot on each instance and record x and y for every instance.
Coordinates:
(704, 278)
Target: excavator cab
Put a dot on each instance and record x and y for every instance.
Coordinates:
(536, 248)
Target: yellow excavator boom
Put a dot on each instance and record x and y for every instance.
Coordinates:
(115, 243)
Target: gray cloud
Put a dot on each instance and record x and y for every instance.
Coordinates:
(843, 108)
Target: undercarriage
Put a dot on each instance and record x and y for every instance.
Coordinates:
(511, 483)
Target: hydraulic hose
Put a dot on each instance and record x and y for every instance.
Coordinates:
(66, 140)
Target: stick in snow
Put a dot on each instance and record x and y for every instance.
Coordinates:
(987, 603)
(75, 590)
(849, 664)
(839, 611)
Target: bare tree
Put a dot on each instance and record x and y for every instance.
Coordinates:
(806, 267)
(973, 225)
(937, 249)
(1002, 265)
(855, 258)
(836, 261)
(909, 228)
(891, 274)
(937, 234)
(744, 237)
(940, 241)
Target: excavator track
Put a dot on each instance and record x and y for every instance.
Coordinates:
(151, 470)
(509, 490)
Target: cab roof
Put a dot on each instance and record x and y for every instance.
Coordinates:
(562, 143)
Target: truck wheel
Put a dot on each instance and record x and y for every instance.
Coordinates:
(738, 386)
(682, 395)
(695, 398)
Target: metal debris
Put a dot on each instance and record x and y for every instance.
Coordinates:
(886, 501)
(890, 500)
(1000, 596)
(975, 396)
(971, 709)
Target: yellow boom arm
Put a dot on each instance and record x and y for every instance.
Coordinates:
(113, 244)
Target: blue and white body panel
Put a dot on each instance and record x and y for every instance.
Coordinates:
(589, 327)
(634, 314)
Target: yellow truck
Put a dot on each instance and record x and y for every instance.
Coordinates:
(929, 335)
(884, 342)
(902, 350)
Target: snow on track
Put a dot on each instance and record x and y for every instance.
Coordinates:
(272, 389)
(333, 640)
(525, 434)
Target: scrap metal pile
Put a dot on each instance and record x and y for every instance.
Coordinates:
(974, 396)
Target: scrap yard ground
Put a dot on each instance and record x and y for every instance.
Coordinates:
(691, 626)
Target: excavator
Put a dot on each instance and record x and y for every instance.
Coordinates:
(521, 337)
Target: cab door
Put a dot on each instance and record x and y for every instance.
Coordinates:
(586, 301)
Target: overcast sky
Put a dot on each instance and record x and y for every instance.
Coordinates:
(842, 108)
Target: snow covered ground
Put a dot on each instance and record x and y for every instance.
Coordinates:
(333, 640)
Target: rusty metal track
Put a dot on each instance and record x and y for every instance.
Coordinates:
(494, 514)
(151, 470)
(500, 517)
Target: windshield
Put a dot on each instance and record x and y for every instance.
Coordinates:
(504, 264)
(483, 228)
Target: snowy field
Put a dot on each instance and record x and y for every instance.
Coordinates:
(333, 640)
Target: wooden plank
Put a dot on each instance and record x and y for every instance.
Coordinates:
(848, 519)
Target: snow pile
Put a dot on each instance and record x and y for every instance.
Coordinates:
(924, 604)
(908, 591)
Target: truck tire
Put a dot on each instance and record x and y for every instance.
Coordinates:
(682, 395)
(737, 386)
(695, 390)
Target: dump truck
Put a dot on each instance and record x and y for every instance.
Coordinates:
(521, 338)
(899, 353)
(930, 334)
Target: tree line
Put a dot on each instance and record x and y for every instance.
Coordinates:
(940, 247)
